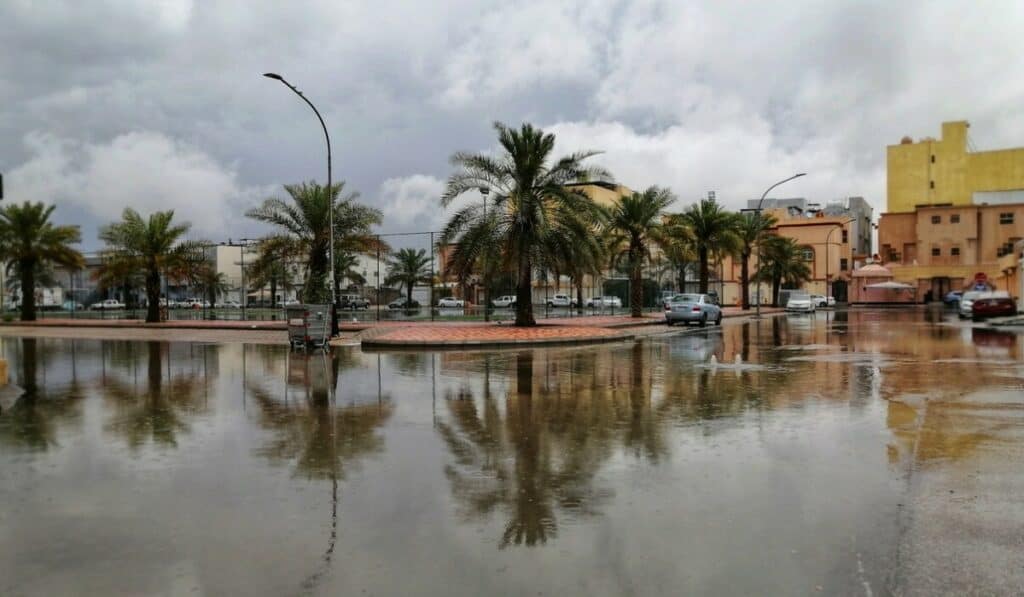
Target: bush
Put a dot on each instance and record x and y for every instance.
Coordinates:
(8, 318)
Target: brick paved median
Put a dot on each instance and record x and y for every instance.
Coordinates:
(490, 335)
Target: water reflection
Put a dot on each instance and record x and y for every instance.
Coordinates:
(157, 410)
(36, 417)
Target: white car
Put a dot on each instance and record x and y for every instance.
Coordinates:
(108, 305)
(229, 305)
(450, 302)
(504, 301)
(819, 300)
(800, 302)
(561, 300)
(605, 301)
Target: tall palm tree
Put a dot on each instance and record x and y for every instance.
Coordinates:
(634, 223)
(679, 247)
(532, 204)
(783, 263)
(714, 232)
(152, 246)
(407, 268)
(303, 230)
(30, 242)
(750, 228)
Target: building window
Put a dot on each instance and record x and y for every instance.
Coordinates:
(844, 264)
(954, 219)
(846, 236)
(954, 251)
(807, 254)
(936, 219)
(1006, 218)
(936, 251)
(931, 184)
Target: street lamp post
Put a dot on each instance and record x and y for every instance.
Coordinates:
(487, 292)
(330, 196)
(760, 253)
(828, 237)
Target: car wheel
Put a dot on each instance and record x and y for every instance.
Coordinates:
(703, 320)
(718, 321)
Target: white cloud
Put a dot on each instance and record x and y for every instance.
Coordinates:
(412, 203)
(145, 170)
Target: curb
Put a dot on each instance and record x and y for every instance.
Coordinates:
(397, 345)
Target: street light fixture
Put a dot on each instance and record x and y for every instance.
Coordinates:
(330, 196)
(760, 253)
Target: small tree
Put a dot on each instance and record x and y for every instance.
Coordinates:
(634, 223)
(783, 262)
(151, 246)
(407, 268)
(714, 232)
(30, 243)
(750, 229)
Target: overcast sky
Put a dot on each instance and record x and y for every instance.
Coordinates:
(158, 104)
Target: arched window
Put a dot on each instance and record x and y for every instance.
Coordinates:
(807, 253)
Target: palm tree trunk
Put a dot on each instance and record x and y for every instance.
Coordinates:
(524, 294)
(636, 289)
(702, 254)
(579, 293)
(408, 294)
(28, 291)
(153, 295)
(745, 279)
(776, 284)
(273, 292)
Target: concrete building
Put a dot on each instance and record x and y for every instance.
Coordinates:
(952, 214)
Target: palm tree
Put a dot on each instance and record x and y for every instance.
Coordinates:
(303, 230)
(634, 222)
(714, 232)
(30, 242)
(783, 262)
(679, 247)
(151, 246)
(532, 205)
(213, 283)
(407, 268)
(750, 228)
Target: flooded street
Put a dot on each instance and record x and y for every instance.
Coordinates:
(847, 453)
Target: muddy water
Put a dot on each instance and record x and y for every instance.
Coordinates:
(856, 453)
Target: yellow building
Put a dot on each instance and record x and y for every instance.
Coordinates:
(944, 172)
(953, 214)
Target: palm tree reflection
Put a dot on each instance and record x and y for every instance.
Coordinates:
(33, 421)
(537, 458)
(158, 411)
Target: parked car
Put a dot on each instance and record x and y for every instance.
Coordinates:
(820, 300)
(953, 297)
(354, 301)
(692, 308)
(450, 302)
(966, 302)
(800, 302)
(604, 301)
(504, 301)
(403, 303)
(561, 300)
(72, 306)
(108, 305)
(195, 304)
(291, 303)
(229, 305)
(993, 304)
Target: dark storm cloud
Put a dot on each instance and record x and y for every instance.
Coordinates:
(160, 103)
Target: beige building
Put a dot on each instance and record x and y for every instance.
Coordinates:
(954, 215)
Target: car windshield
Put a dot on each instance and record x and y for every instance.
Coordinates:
(799, 297)
(971, 295)
(686, 298)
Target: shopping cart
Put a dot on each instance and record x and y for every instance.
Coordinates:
(309, 326)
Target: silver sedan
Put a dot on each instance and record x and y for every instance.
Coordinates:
(692, 308)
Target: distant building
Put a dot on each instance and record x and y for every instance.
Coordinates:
(953, 214)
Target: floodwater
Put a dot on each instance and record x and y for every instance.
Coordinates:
(847, 453)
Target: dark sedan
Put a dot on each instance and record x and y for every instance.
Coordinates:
(993, 306)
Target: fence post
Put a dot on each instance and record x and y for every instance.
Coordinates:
(431, 296)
